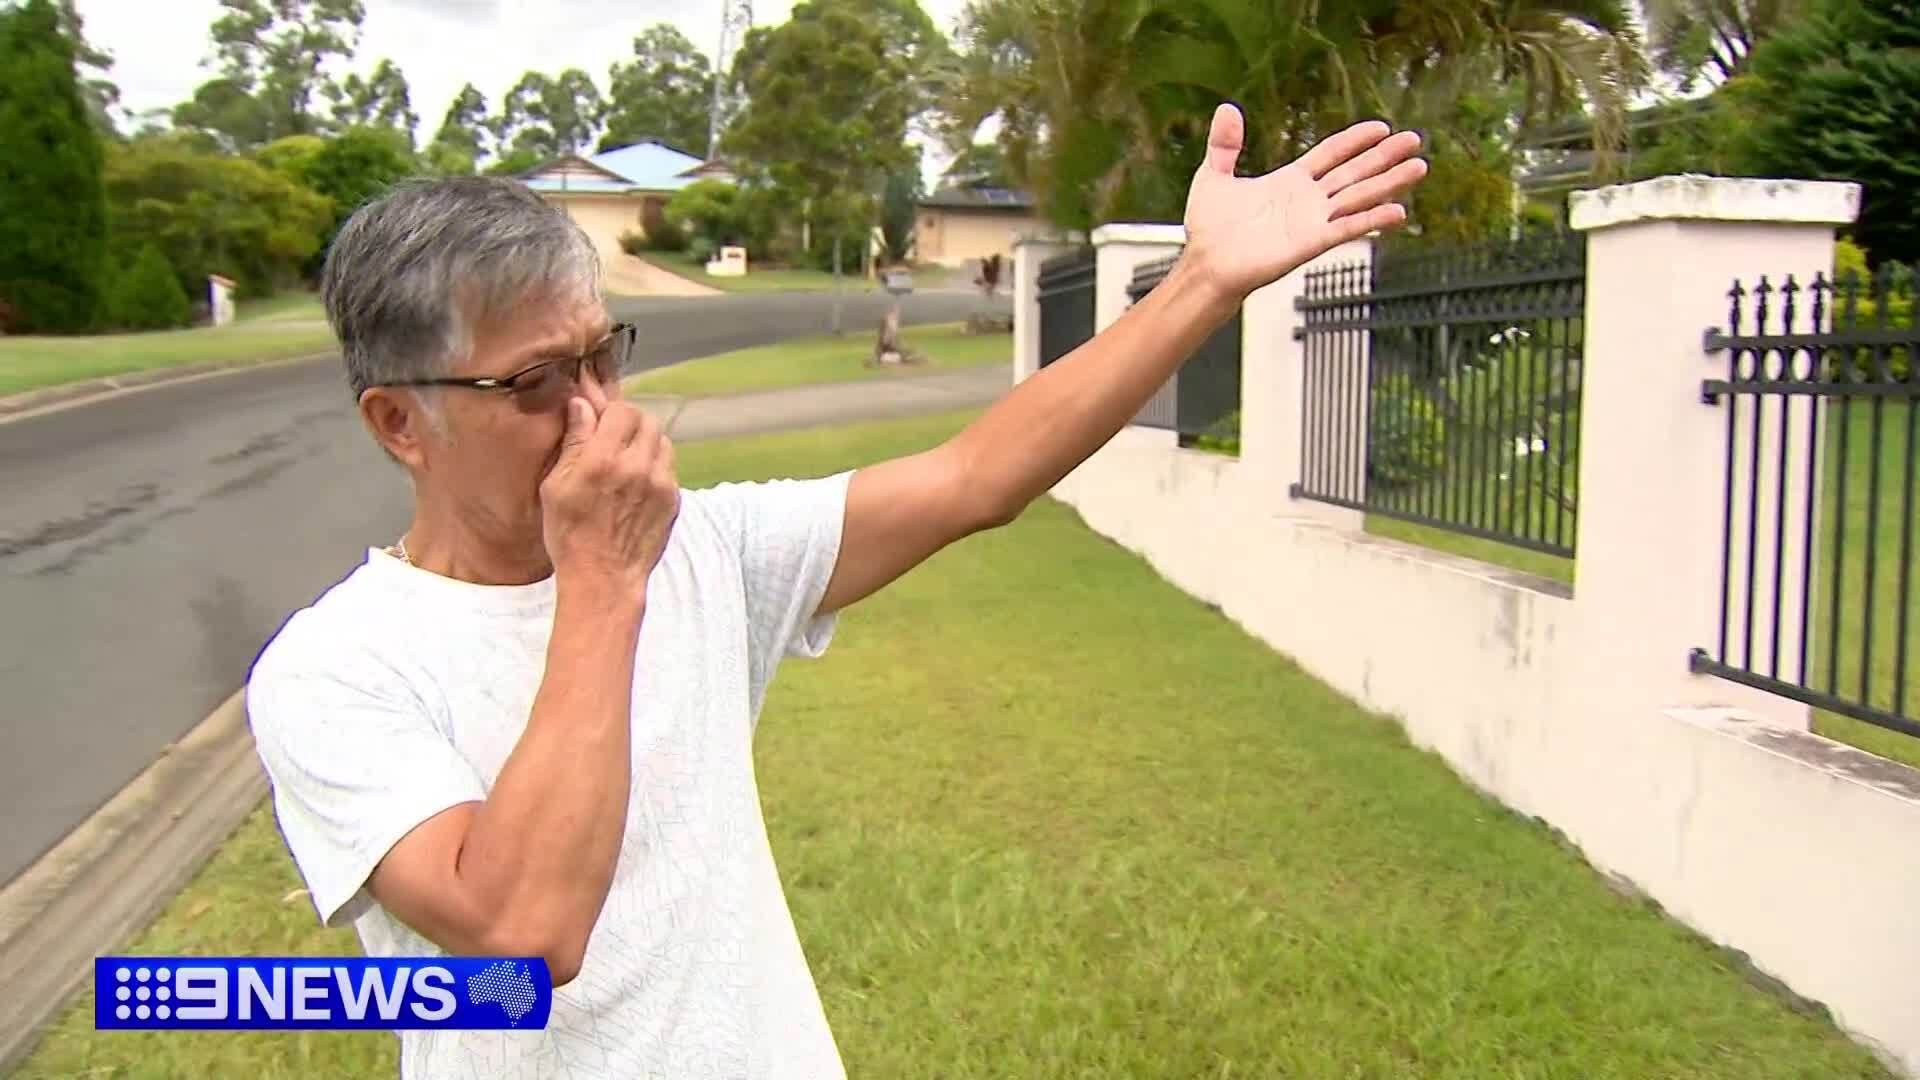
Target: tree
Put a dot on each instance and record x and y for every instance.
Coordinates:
(211, 213)
(980, 165)
(271, 54)
(146, 295)
(516, 161)
(709, 211)
(99, 92)
(829, 101)
(461, 142)
(547, 117)
(1103, 105)
(899, 206)
(1469, 193)
(1693, 40)
(381, 100)
(1837, 96)
(53, 214)
(292, 156)
(350, 169)
(663, 93)
(226, 110)
(922, 49)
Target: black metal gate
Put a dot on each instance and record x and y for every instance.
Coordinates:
(1444, 388)
(1817, 591)
(1066, 303)
(1203, 398)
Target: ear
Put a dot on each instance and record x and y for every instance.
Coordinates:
(397, 419)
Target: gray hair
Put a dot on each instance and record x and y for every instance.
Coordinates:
(412, 272)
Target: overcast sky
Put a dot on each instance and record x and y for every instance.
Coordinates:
(159, 46)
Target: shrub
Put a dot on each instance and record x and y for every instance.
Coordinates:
(1222, 436)
(663, 234)
(1849, 258)
(1406, 438)
(146, 295)
(707, 210)
(700, 249)
(632, 242)
(260, 229)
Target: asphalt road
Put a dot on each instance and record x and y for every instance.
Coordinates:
(152, 542)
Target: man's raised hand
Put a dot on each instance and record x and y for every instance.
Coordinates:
(1248, 231)
(611, 498)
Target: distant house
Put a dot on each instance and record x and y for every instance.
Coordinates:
(619, 191)
(1556, 159)
(963, 223)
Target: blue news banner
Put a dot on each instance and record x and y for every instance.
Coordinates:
(188, 993)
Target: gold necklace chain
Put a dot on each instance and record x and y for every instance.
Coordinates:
(399, 548)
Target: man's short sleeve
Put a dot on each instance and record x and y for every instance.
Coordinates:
(354, 769)
(788, 537)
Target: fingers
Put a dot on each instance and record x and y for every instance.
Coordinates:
(1355, 226)
(665, 465)
(619, 425)
(1368, 194)
(596, 396)
(1334, 150)
(580, 424)
(1384, 155)
(1225, 137)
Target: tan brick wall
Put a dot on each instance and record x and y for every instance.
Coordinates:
(951, 237)
(603, 217)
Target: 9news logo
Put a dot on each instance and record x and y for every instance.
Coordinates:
(295, 993)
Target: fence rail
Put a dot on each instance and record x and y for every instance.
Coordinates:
(1065, 288)
(1816, 589)
(1444, 388)
(1203, 398)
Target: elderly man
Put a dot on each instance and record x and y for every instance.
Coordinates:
(525, 728)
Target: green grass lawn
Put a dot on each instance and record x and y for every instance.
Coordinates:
(273, 329)
(806, 361)
(1552, 567)
(758, 280)
(1885, 604)
(293, 306)
(1040, 814)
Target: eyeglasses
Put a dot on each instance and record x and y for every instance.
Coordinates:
(547, 385)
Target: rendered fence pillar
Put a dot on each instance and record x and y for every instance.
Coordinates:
(1118, 249)
(1662, 255)
(1028, 254)
(1273, 390)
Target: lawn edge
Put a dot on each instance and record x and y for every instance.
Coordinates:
(28, 402)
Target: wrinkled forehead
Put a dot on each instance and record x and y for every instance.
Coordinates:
(561, 323)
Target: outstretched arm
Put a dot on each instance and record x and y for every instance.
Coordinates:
(1242, 233)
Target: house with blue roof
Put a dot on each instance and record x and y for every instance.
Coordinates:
(619, 191)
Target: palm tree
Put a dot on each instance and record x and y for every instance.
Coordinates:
(1692, 39)
(1104, 103)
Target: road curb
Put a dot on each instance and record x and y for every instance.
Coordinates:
(18, 406)
(115, 871)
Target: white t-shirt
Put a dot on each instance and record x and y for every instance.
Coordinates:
(400, 693)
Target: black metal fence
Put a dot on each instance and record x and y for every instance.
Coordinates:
(1202, 401)
(1816, 587)
(1444, 388)
(1065, 289)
